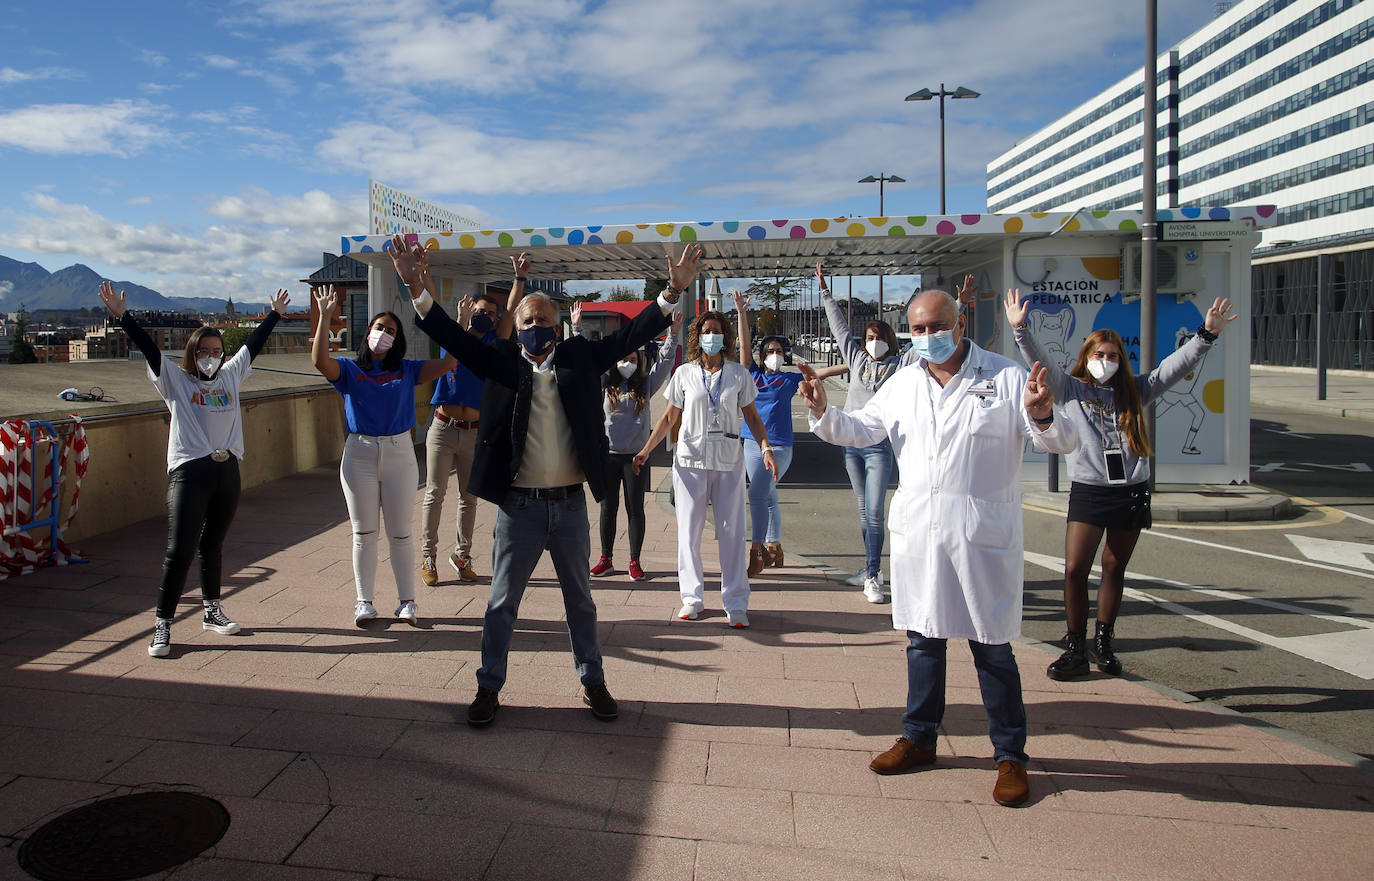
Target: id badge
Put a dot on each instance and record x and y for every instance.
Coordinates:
(1115, 462)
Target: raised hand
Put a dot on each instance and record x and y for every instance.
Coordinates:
(676, 326)
(968, 291)
(410, 262)
(812, 389)
(1039, 398)
(1217, 319)
(682, 273)
(1016, 307)
(327, 299)
(741, 300)
(280, 301)
(466, 307)
(114, 302)
(521, 265)
(820, 277)
(576, 320)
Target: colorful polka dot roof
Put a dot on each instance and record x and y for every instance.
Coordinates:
(816, 228)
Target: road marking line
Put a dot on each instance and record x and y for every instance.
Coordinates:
(1294, 560)
(1350, 651)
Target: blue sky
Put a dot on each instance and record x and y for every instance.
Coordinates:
(211, 149)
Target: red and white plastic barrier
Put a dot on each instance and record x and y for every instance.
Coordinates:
(20, 512)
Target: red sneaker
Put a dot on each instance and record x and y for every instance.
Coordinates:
(603, 566)
(636, 571)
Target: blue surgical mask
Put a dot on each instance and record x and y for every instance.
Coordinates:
(712, 343)
(481, 323)
(537, 338)
(937, 348)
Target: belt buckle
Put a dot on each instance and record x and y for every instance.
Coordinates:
(220, 455)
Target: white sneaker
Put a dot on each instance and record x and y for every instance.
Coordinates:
(406, 612)
(738, 619)
(689, 612)
(363, 611)
(873, 590)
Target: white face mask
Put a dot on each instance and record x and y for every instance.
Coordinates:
(626, 368)
(380, 341)
(712, 343)
(208, 366)
(876, 349)
(773, 362)
(1102, 369)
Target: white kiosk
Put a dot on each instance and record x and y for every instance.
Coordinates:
(1081, 271)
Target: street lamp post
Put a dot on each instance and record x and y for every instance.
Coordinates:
(881, 213)
(926, 95)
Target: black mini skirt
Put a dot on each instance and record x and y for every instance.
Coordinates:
(1111, 507)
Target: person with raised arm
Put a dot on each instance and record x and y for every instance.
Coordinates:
(378, 469)
(871, 358)
(776, 389)
(451, 440)
(957, 420)
(1110, 470)
(542, 437)
(204, 447)
(629, 386)
(711, 397)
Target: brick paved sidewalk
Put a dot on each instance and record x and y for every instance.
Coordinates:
(341, 752)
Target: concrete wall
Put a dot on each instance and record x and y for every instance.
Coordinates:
(283, 433)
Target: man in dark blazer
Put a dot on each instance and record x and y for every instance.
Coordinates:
(541, 436)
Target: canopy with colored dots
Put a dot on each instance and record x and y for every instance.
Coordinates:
(741, 249)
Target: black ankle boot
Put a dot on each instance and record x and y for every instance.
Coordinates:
(1074, 662)
(1102, 649)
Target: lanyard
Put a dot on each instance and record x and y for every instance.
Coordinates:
(706, 383)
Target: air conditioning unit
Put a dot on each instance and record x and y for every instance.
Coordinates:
(1178, 271)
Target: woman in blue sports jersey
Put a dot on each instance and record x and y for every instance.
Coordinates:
(776, 389)
(378, 469)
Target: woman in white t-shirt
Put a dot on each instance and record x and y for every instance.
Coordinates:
(204, 446)
(710, 397)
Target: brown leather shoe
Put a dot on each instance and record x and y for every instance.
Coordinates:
(773, 553)
(758, 558)
(903, 756)
(1013, 786)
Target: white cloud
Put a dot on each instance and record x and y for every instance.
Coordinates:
(139, 200)
(9, 76)
(221, 62)
(119, 128)
(152, 58)
(265, 241)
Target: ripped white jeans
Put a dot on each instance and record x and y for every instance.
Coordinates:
(380, 478)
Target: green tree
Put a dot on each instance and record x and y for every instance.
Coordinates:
(622, 293)
(234, 338)
(653, 287)
(589, 297)
(775, 292)
(22, 352)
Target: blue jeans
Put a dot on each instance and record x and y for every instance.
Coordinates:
(763, 491)
(525, 528)
(998, 680)
(870, 468)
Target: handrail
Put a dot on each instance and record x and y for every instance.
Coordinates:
(62, 423)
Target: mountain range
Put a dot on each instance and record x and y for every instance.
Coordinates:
(76, 287)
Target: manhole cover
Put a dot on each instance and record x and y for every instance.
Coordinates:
(125, 837)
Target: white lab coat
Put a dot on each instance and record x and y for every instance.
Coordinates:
(957, 564)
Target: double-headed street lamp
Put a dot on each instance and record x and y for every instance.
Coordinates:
(879, 180)
(926, 95)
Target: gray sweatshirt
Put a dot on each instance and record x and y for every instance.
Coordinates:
(866, 375)
(627, 430)
(1092, 407)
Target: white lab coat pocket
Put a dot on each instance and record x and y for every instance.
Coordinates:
(990, 421)
(991, 524)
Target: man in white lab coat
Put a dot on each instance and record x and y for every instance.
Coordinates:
(957, 419)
